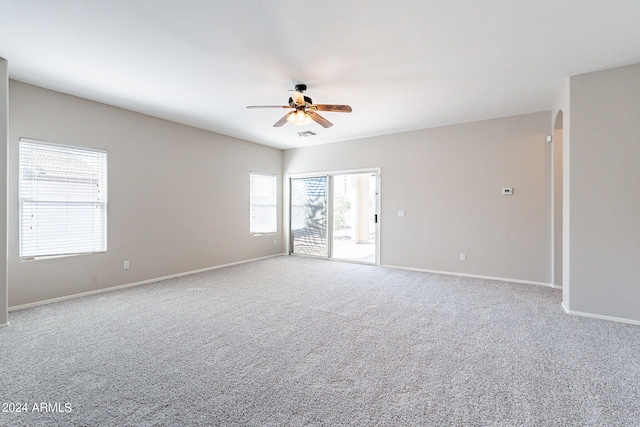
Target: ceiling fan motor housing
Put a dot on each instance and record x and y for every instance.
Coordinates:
(301, 87)
(307, 101)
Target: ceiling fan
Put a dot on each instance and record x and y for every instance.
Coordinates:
(304, 110)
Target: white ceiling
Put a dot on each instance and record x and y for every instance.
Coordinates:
(401, 65)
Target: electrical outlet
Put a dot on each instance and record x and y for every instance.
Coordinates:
(126, 265)
(275, 242)
(463, 257)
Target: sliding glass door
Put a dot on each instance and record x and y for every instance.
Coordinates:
(335, 216)
(309, 216)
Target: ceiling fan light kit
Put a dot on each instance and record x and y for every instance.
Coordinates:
(299, 118)
(305, 111)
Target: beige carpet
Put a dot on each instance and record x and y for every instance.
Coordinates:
(297, 341)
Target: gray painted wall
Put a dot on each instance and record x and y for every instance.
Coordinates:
(448, 180)
(605, 200)
(178, 196)
(557, 199)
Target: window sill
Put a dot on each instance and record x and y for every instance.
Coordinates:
(38, 258)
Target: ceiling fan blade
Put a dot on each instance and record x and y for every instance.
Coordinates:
(269, 106)
(282, 121)
(319, 119)
(332, 108)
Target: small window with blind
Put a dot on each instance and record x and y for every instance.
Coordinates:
(63, 199)
(264, 205)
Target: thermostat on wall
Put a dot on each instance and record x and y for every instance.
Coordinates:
(507, 191)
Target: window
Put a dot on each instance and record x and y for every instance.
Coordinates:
(63, 199)
(263, 200)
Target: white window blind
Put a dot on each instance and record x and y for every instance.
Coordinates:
(63, 199)
(263, 200)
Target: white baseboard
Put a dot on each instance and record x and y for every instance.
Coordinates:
(600, 316)
(4, 325)
(129, 285)
(476, 276)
